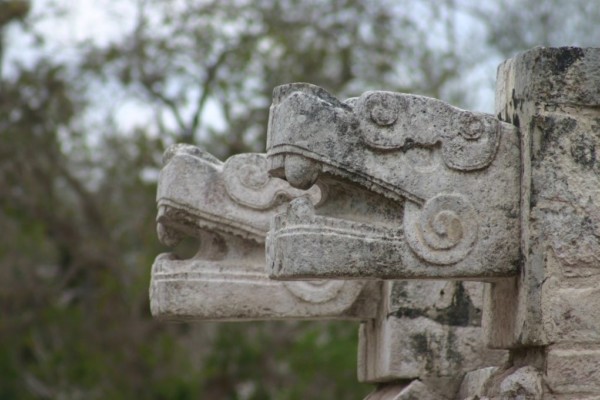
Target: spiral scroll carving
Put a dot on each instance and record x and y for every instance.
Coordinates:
(444, 230)
(248, 183)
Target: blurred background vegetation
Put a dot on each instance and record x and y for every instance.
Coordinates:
(83, 124)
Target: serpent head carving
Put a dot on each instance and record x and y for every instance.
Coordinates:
(227, 207)
(411, 187)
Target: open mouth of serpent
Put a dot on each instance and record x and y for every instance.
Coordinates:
(230, 260)
(220, 251)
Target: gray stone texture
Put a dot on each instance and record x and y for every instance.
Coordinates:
(573, 369)
(425, 329)
(412, 188)
(522, 383)
(415, 390)
(400, 199)
(473, 384)
(553, 96)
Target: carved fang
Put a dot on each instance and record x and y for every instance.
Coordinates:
(166, 235)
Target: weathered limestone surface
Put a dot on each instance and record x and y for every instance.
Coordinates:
(227, 206)
(415, 390)
(402, 198)
(202, 197)
(522, 383)
(425, 329)
(574, 369)
(412, 188)
(473, 384)
(553, 95)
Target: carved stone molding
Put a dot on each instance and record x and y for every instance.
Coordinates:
(227, 207)
(411, 188)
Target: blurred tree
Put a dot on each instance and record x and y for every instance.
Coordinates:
(77, 185)
(217, 61)
(518, 25)
(73, 302)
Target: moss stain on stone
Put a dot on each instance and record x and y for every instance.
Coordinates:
(565, 57)
(461, 311)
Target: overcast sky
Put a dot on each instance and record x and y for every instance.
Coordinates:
(102, 21)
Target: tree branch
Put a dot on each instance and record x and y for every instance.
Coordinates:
(211, 74)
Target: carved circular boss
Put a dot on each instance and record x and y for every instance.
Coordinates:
(444, 230)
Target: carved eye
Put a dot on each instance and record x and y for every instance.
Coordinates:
(383, 108)
(254, 176)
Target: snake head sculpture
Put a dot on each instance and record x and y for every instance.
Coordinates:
(411, 188)
(227, 207)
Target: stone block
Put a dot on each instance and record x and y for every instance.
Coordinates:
(571, 311)
(415, 390)
(513, 383)
(573, 369)
(473, 384)
(425, 329)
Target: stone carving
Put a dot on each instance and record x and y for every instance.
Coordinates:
(227, 206)
(411, 188)
(445, 229)
(391, 121)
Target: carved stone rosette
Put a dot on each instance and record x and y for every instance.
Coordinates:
(411, 188)
(227, 207)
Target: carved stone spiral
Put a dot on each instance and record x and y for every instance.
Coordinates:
(444, 230)
(248, 183)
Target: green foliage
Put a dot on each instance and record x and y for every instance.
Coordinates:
(300, 362)
(232, 53)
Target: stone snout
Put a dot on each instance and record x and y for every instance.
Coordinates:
(227, 208)
(411, 188)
